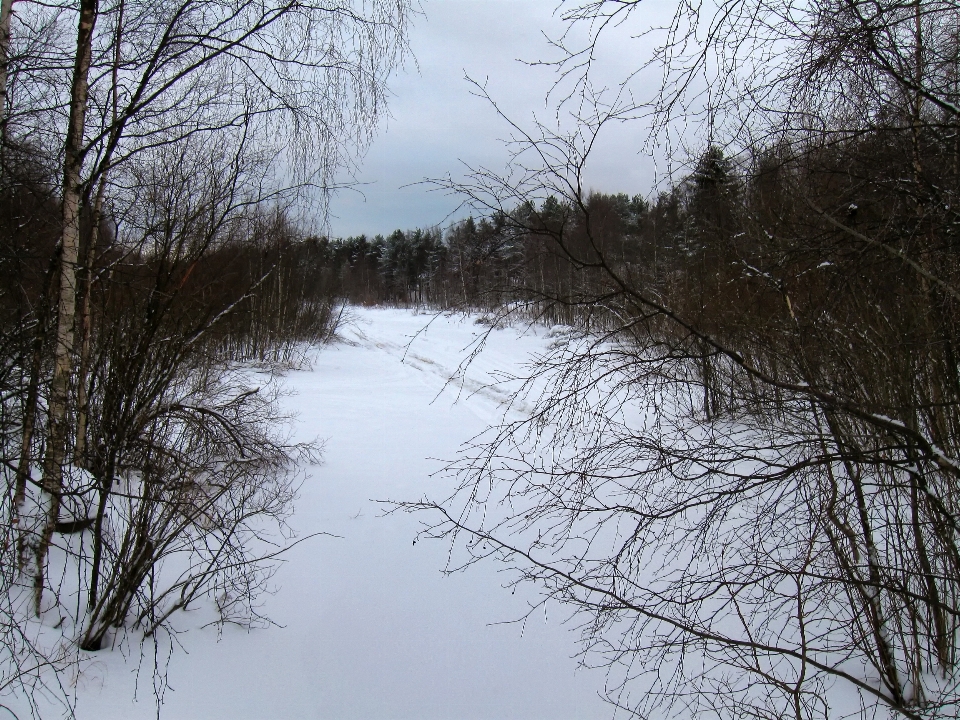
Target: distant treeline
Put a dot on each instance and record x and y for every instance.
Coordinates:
(820, 265)
(475, 264)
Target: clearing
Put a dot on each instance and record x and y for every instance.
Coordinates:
(368, 625)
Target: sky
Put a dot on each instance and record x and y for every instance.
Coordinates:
(438, 126)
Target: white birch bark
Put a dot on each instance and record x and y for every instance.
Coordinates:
(52, 483)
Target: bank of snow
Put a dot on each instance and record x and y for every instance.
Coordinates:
(368, 627)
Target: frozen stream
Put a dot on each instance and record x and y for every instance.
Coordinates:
(370, 629)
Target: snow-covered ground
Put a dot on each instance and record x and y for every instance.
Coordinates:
(368, 627)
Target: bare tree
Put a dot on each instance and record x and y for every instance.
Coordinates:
(57, 424)
(741, 469)
(291, 81)
(6, 8)
(185, 135)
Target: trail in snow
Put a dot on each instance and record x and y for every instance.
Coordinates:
(368, 627)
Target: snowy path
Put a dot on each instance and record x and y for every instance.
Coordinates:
(371, 629)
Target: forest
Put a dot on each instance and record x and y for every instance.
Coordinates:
(743, 476)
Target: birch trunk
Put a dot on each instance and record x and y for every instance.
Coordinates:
(84, 323)
(52, 483)
(6, 10)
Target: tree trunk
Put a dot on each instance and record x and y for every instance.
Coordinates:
(52, 484)
(6, 10)
(84, 326)
(30, 414)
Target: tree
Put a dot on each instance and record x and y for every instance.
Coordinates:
(52, 481)
(6, 7)
(184, 134)
(204, 69)
(741, 469)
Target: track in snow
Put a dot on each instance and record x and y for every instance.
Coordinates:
(369, 628)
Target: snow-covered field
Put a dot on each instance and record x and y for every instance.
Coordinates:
(367, 625)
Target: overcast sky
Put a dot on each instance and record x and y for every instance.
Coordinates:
(438, 126)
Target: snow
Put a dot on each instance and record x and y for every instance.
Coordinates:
(367, 625)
